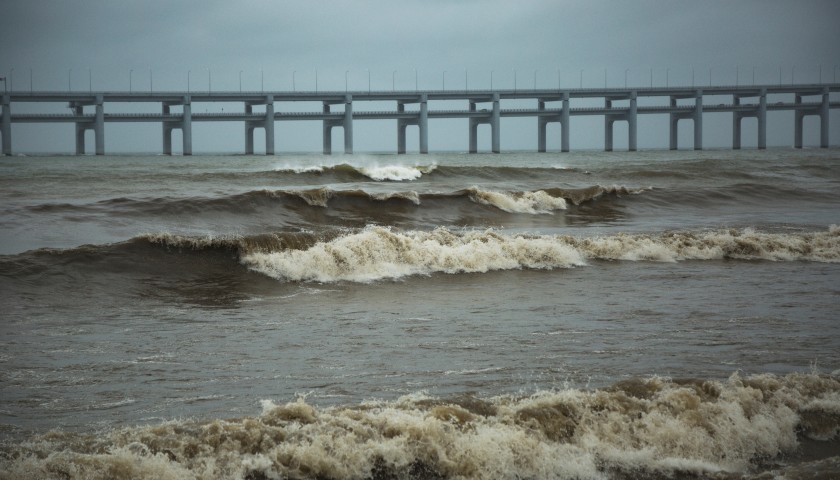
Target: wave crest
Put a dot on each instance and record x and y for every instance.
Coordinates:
(377, 253)
(638, 428)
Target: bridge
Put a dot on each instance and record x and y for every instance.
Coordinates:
(807, 99)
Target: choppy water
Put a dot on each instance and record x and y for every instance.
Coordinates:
(587, 315)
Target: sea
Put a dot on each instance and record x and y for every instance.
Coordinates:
(585, 315)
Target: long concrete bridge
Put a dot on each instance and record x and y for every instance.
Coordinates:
(807, 99)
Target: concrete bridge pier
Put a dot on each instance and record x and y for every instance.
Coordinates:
(493, 120)
(185, 124)
(824, 109)
(632, 126)
(424, 123)
(97, 125)
(821, 111)
(6, 126)
(542, 127)
(346, 122)
(564, 124)
(266, 123)
(760, 113)
(696, 115)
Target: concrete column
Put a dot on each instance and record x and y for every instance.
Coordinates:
(473, 134)
(80, 139)
(495, 124)
(186, 126)
(736, 124)
(698, 121)
(608, 127)
(348, 124)
(6, 127)
(269, 125)
(167, 131)
(673, 124)
(797, 124)
(541, 129)
(249, 132)
(80, 130)
(632, 127)
(327, 132)
(424, 124)
(824, 119)
(564, 125)
(401, 126)
(99, 126)
(762, 120)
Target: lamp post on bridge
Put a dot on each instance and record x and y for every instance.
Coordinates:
(625, 76)
(491, 79)
(692, 77)
(240, 81)
(346, 75)
(293, 80)
(90, 81)
(753, 79)
(151, 89)
(130, 73)
(368, 81)
(209, 82)
(667, 80)
(69, 79)
(581, 78)
(415, 80)
(792, 73)
(188, 81)
(12, 80)
(394, 81)
(535, 79)
(736, 75)
(443, 84)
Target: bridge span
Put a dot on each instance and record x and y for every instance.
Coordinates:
(807, 99)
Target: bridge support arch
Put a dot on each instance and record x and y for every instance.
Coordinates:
(6, 126)
(696, 115)
(562, 118)
(760, 113)
(346, 122)
(631, 116)
(820, 111)
(185, 124)
(422, 122)
(266, 123)
(97, 125)
(495, 128)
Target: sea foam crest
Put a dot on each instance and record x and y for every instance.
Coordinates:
(376, 253)
(395, 173)
(518, 202)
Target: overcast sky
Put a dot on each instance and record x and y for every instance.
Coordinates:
(101, 44)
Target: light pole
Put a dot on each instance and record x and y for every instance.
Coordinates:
(667, 80)
(69, 79)
(651, 77)
(581, 78)
(415, 80)
(209, 82)
(820, 73)
(558, 79)
(346, 75)
(605, 78)
(444, 80)
(30, 79)
(535, 79)
(491, 79)
(262, 80)
(625, 76)
(130, 73)
(514, 81)
(293, 81)
(368, 81)
(692, 76)
(394, 81)
(316, 81)
(710, 76)
(90, 81)
(792, 74)
(753, 80)
(151, 88)
(737, 71)
(188, 81)
(240, 81)
(12, 80)
(466, 80)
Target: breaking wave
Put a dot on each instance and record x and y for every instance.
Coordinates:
(637, 428)
(379, 173)
(377, 253)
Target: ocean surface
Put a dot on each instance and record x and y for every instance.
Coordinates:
(586, 315)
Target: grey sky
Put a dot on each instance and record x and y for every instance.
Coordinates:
(101, 41)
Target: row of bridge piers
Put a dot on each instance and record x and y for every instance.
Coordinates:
(482, 109)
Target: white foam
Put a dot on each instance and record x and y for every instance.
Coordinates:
(394, 173)
(518, 202)
(381, 253)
